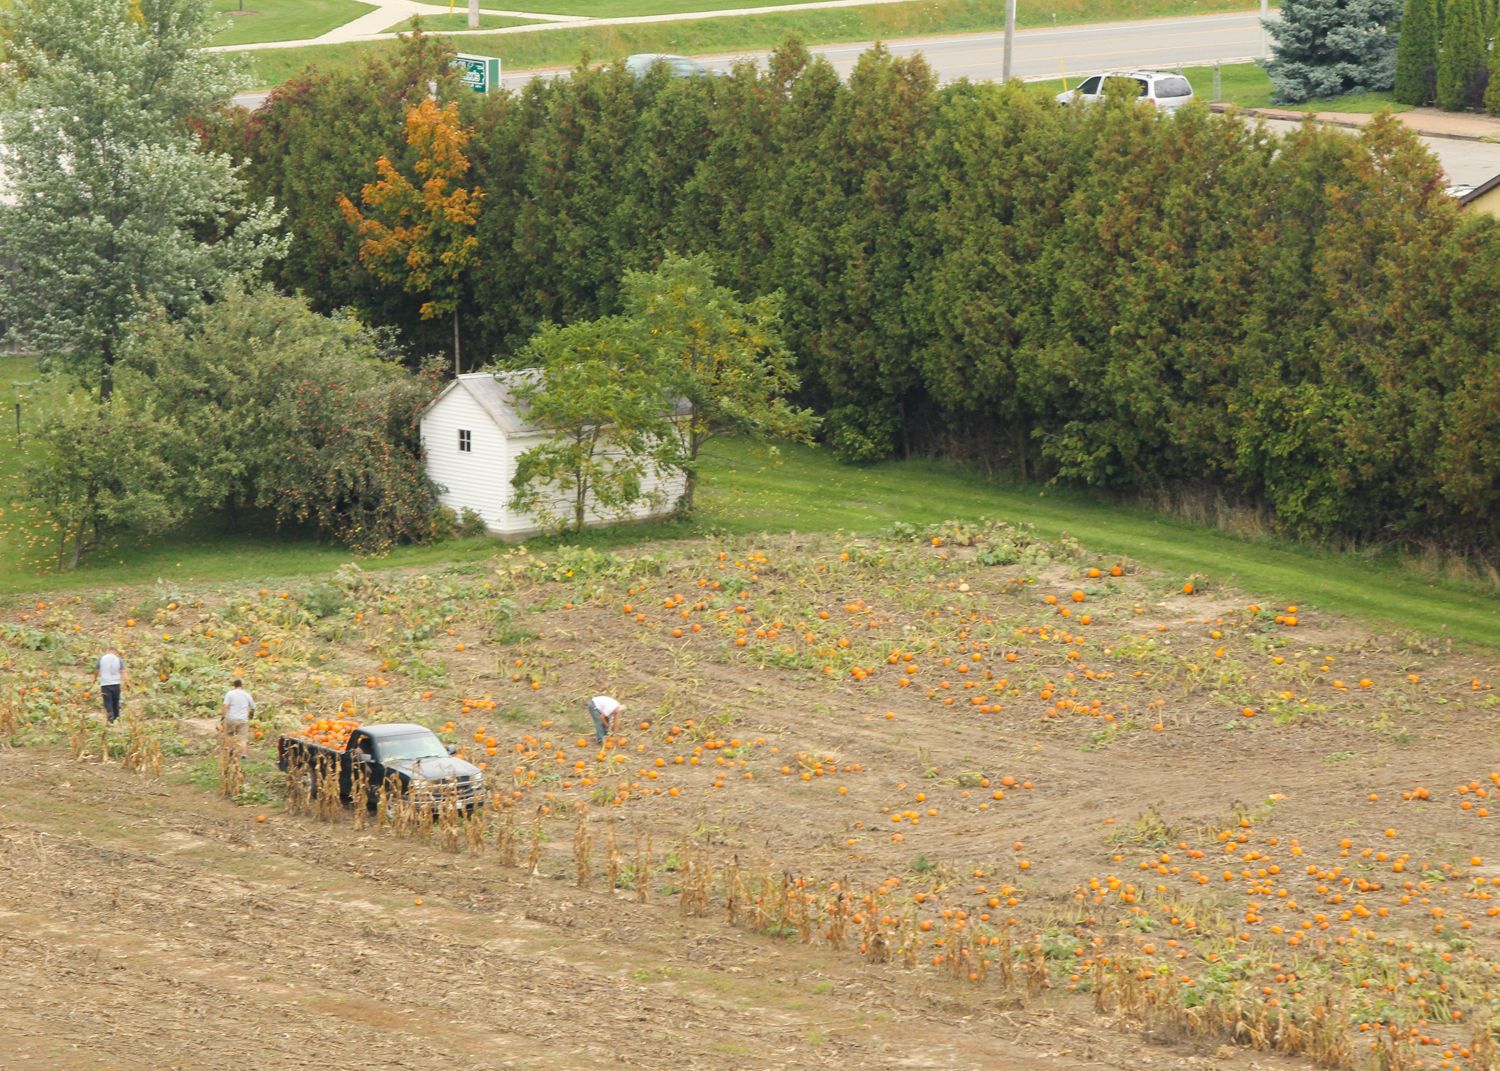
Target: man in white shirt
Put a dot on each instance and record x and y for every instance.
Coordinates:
(604, 710)
(238, 706)
(109, 671)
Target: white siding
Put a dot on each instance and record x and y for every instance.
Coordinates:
(478, 480)
(670, 487)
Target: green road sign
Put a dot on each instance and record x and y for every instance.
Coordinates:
(479, 73)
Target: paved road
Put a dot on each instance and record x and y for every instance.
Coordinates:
(1039, 54)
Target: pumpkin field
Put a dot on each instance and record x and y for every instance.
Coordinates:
(953, 796)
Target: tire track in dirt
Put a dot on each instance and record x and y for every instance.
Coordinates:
(157, 933)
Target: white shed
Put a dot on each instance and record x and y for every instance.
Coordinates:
(472, 434)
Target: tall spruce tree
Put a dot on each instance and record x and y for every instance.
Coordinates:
(1462, 65)
(1326, 48)
(1417, 55)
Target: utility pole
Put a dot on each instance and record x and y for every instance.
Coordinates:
(1265, 11)
(1010, 33)
(474, 13)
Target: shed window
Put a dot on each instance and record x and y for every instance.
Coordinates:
(465, 442)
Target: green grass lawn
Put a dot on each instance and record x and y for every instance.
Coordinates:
(1246, 84)
(747, 489)
(563, 47)
(457, 21)
(282, 20)
(20, 382)
(804, 490)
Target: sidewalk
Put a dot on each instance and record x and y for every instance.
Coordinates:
(1425, 122)
(388, 13)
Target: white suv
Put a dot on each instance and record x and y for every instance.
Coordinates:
(1167, 92)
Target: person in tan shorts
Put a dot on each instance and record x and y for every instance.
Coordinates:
(238, 708)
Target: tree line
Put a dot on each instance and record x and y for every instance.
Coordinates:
(130, 258)
(1102, 296)
(1422, 51)
(1446, 55)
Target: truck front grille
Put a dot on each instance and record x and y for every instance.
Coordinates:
(465, 790)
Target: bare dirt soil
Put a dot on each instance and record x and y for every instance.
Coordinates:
(1105, 822)
(148, 925)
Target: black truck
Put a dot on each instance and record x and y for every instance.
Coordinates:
(411, 756)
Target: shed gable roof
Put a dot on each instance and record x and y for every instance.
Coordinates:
(1476, 192)
(494, 392)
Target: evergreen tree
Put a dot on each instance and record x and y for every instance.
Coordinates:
(1417, 55)
(1492, 91)
(1326, 48)
(874, 148)
(1462, 70)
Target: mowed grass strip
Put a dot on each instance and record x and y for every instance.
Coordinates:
(1248, 85)
(252, 21)
(565, 47)
(438, 23)
(747, 489)
(804, 490)
(1067, 11)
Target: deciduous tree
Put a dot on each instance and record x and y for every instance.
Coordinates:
(600, 394)
(112, 208)
(267, 404)
(95, 470)
(721, 356)
(420, 234)
(318, 132)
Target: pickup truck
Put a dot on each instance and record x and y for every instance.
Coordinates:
(410, 755)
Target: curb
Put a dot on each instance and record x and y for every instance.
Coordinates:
(1327, 119)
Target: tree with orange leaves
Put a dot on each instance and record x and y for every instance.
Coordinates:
(420, 233)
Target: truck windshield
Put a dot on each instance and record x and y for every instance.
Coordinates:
(409, 746)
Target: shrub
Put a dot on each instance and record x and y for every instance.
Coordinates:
(324, 600)
(444, 524)
(471, 525)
